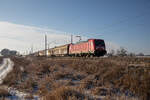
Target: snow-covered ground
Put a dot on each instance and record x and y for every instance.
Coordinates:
(5, 68)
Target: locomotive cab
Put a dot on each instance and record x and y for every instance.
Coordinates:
(100, 48)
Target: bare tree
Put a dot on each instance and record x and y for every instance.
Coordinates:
(7, 52)
(131, 54)
(122, 52)
(141, 54)
(111, 53)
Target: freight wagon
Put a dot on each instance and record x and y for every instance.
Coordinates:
(59, 50)
(41, 53)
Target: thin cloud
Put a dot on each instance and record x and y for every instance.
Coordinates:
(22, 37)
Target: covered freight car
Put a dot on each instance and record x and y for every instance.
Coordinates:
(95, 47)
(59, 50)
(41, 53)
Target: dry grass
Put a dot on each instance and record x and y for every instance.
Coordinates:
(64, 93)
(63, 78)
(1, 59)
(3, 93)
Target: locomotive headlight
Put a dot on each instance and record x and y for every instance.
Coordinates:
(97, 47)
(102, 48)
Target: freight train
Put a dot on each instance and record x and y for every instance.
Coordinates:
(91, 47)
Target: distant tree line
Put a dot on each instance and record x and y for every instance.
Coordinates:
(7, 52)
(123, 52)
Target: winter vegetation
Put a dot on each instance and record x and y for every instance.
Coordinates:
(59, 78)
(7, 52)
(122, 52)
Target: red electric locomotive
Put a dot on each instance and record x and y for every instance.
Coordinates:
(95, 47)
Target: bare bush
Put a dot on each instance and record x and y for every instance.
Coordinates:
(65, 93)
(116, 76)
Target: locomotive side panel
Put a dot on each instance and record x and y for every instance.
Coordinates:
(91, 45)
(83, 47)
(94, 47)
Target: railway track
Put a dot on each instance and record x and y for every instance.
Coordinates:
(73, 58)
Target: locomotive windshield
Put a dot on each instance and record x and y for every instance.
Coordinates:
(99, 43)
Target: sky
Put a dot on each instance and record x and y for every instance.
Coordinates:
(121, 23)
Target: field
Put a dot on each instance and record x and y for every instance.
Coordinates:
(112, 78)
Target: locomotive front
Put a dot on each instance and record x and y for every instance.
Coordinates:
(100, 49)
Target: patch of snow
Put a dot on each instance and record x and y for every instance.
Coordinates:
(5, 68)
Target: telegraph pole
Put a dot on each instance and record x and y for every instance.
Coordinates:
(31, 49)
(71, 39)
(79, 37)
(45, 45)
